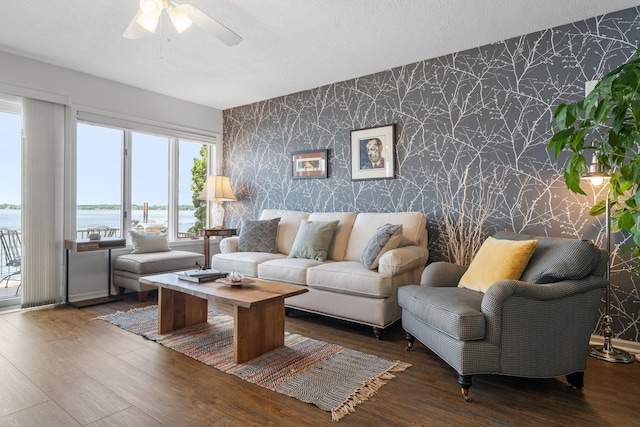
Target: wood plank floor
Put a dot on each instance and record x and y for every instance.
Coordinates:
(61, 367)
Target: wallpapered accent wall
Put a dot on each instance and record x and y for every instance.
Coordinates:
(472, 133)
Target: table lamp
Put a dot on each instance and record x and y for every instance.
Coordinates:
(217, 189)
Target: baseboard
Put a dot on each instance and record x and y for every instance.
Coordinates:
(632, 347)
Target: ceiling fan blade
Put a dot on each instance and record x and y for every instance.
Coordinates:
(209, 24)
(134, 30)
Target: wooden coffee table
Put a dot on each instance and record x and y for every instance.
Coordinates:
(258, 310)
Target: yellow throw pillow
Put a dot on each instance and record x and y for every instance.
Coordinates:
(497, 260)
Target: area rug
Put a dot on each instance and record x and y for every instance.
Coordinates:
(333, 378)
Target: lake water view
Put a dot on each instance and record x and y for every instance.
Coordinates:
(10, 218)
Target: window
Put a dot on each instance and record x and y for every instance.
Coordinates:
(99, 181)
(140, 179)
(149, 180)
(192, 212)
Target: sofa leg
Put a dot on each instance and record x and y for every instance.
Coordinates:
(142, 296)
(576, 380)
(121, 290)
(410, 339)
(287, 311)
(465, 384)
(378, 332)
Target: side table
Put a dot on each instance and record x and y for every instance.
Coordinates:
(215, 232)
(85, 245)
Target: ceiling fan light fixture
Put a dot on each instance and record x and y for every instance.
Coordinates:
(151, 7)
(148, 22)
(149, 14)
(179, 15)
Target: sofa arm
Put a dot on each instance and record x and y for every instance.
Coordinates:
(229, 245)
(442, 274)
(400, 260)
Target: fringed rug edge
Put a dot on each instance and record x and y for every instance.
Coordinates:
(366, 390)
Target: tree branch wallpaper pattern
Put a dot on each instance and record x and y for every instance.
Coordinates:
(472, 130)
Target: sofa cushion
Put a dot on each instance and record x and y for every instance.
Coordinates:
(345, 220)
(259, 236)
(413, 230)
(453, 311)
(557, 258)
(146, 242)
(287, 227)
(288, 270)
(497, 260)
(313, 240)
(244, 262)
(157, 262)
(350, 277)
(383, 240)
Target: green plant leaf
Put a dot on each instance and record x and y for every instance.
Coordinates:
(560, 116)
(576, 167)
(618, 117)
(599, 208)
(601, 113)
(626, 221)
(559, 140)
(636, 234)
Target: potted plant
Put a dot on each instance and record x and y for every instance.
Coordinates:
(606, 122)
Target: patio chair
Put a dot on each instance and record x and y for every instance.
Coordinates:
(103, 231)
(12, 250)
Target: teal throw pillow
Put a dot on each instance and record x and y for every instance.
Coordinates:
(313, 240)
(385, 238)
(259, 236)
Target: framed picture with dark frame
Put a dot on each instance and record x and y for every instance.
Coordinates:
(309, 164)
(373, 153)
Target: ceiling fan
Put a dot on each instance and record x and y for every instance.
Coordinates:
(181, 15)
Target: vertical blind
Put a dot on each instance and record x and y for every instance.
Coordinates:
(42, 202)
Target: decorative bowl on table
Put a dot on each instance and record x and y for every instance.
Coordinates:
(235, 279)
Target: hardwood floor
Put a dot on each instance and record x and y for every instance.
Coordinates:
(61, 367)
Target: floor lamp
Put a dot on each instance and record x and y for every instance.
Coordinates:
(607, 352)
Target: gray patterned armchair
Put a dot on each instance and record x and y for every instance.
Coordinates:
(536, 327)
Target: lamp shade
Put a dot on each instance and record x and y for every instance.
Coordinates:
(179, 17)
(595, 174)
(218, 189)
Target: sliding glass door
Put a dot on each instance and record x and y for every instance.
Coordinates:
(10, 203)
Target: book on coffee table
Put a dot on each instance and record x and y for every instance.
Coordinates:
(198, 276)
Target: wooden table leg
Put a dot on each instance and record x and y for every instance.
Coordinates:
(258, 329)
(177, 310)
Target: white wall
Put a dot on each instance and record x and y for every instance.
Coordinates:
(24, 77)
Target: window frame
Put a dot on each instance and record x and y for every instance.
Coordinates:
(174, 135)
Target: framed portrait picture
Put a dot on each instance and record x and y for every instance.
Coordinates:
(309, 164)
(373, 153)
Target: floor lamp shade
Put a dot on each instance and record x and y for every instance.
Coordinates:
(217, 189)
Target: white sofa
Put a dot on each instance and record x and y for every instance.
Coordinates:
(341, 286)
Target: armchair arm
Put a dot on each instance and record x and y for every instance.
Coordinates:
(542, 330)
(399, 260)
(442, 274)
(229, 244)
(501, 291)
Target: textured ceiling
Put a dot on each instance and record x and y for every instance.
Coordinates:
(288, 46)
